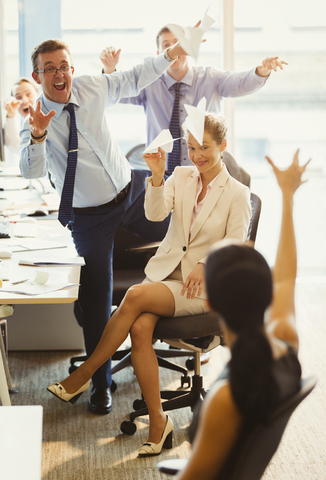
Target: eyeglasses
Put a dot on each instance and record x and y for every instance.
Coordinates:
(51, 71)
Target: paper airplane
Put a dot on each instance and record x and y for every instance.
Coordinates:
(195, 121)
(206, 22)
(190, 37)
(163, 140)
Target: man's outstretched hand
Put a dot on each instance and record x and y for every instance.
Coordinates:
(38, 122)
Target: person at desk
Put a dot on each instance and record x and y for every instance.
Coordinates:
(207, 205)
(24, 94)
(259, 324)
(98, 192)
(164, 99)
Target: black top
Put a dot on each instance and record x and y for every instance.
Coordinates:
(287, 373)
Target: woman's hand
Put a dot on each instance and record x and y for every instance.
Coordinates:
(11, 106)
(110, 58)
(156, 163)
(289, 179)
(38, 122)
(194, 282)
(269, 64)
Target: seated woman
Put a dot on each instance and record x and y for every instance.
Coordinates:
(208, 205)
(264, 369)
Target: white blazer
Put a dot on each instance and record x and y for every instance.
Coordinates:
(226, 213)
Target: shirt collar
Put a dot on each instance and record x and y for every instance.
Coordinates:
(58, 107)
(187, 79)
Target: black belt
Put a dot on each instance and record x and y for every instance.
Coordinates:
(118, 199)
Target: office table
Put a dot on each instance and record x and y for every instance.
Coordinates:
(68, 274)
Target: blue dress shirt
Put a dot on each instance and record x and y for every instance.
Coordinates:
(211, 83)
(102, 170)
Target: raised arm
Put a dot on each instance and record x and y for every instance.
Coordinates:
(110, 58)
(269, 64)
(281, 322)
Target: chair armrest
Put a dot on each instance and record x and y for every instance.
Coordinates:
(172, 466)
(146, 248)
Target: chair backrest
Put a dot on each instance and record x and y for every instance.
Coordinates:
(235, 170)
(255, 214)
(135, 157)
(250, 457)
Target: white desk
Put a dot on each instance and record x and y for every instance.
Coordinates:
(68, 274)
(21, 442)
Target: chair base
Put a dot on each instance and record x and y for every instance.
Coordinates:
(174, 401)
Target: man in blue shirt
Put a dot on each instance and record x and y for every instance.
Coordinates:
(105, 194)
(196, 82)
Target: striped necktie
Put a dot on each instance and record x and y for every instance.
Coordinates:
(174, 156)
(65, 208)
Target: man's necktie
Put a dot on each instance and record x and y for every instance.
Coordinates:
(65, 208)
(174, 156)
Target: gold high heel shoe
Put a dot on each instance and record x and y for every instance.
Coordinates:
(58, 391)
(150, 449)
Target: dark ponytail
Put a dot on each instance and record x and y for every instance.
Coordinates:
(239, 288)
(252, 382)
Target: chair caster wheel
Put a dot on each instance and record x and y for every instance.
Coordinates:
(72, 368)
(138, 404)
(113, 387)
(128, 427)
(185, 382)
(190, 363)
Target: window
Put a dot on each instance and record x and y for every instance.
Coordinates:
(288, 113)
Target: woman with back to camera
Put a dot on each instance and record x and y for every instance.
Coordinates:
(257, 307)
(208, 205)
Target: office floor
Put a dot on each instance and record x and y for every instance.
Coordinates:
(78, 445)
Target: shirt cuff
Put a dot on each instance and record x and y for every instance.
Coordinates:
(160, 63)
(37, 150)
(260, 80)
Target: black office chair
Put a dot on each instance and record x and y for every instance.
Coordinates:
(193, 333)
(251, 455)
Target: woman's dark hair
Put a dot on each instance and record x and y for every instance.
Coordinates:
(239, 287)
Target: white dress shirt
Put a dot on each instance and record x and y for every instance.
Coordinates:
(102, 170)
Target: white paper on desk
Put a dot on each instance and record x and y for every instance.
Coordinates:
(25, 229)
(189, 38)
(30, 244)
(195, 121)
(163, 140)
(30, 288)
(56, 262)
(206, 22)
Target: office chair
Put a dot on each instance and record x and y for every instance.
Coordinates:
(252, 453)
(193, 333)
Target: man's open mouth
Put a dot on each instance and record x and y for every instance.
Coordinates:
(59, 86)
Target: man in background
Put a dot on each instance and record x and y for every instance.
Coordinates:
(185, 84)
